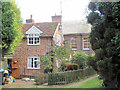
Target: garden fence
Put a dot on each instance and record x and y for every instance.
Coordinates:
(69, 76)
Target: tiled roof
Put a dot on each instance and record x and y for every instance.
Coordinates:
(75, 27)
(48, 28)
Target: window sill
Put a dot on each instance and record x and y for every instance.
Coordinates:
(33, 44)
(33, 68)
(85, 49)
(74, 49)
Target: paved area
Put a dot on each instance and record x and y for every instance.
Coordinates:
(31, 84)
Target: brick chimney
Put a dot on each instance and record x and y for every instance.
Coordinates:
(30, 20)
(57, 18)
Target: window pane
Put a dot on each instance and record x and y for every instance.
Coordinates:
(32, 63)
(36, 40)
(36, 64)
(30, 40)
(29, 62)
(73, 42)
(86, 42)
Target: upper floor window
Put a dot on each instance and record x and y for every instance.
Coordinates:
(33, 39)
(33, 35)
(58, 39)
(73, 43)
(33, 62)
(85, 43)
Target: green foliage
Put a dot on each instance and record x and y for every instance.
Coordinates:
(46, 62)
(80, 58)
(41, 79)
(61, 53)
(92, 16)
(93, 83)
(72, 67)
(105, 41)
(56, 52)
(69, 76)
(11, 27)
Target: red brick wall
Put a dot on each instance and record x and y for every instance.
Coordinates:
(79, 43)
(24, 51)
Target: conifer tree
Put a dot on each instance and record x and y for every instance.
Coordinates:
(105, 41)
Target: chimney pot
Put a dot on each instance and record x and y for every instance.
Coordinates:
(30, 16)
(57, 18)
(30, 20)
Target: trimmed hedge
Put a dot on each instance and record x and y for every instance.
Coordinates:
(41, 78)
(69, 76)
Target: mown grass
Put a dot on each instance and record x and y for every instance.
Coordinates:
(93, 83)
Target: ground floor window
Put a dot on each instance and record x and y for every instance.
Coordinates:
(33, 62)
(58, 63)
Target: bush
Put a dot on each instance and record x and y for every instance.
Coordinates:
(69, 76)
(80, 58)
(71, 67)
(41, 78)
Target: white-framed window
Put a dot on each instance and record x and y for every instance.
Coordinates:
(73, 43)
(33, 63)
(58, 37)
(58, 63)
(33, 39)
(85, 43)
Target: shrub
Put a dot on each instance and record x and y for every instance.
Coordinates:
(71, 67)
(80, 58)
(41, 78)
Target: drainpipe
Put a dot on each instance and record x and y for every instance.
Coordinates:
(52, 41)
(81, 41)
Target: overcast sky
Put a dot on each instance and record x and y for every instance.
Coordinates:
(42, 10)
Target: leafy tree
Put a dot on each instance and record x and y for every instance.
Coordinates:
(61, 53)
(80, 58)
(57, 53)
(11, 27)
(105, 41)
(46, 62)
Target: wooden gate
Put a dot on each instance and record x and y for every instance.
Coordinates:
(16, 68)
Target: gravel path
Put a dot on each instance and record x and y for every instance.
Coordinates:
(31, 84)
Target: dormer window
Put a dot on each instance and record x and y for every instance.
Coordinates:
(33, 36)
(33, 39)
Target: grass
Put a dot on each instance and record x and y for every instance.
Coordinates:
(93, 83)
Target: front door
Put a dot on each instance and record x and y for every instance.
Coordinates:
(16, 68)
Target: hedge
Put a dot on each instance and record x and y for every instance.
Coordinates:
(69, 76)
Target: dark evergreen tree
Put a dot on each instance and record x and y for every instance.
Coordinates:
(105, 41)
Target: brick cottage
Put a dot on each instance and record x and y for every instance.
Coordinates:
(38, 37)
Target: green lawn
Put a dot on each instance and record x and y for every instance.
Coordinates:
(94, 83)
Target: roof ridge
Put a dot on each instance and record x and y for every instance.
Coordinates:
(41, 22)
